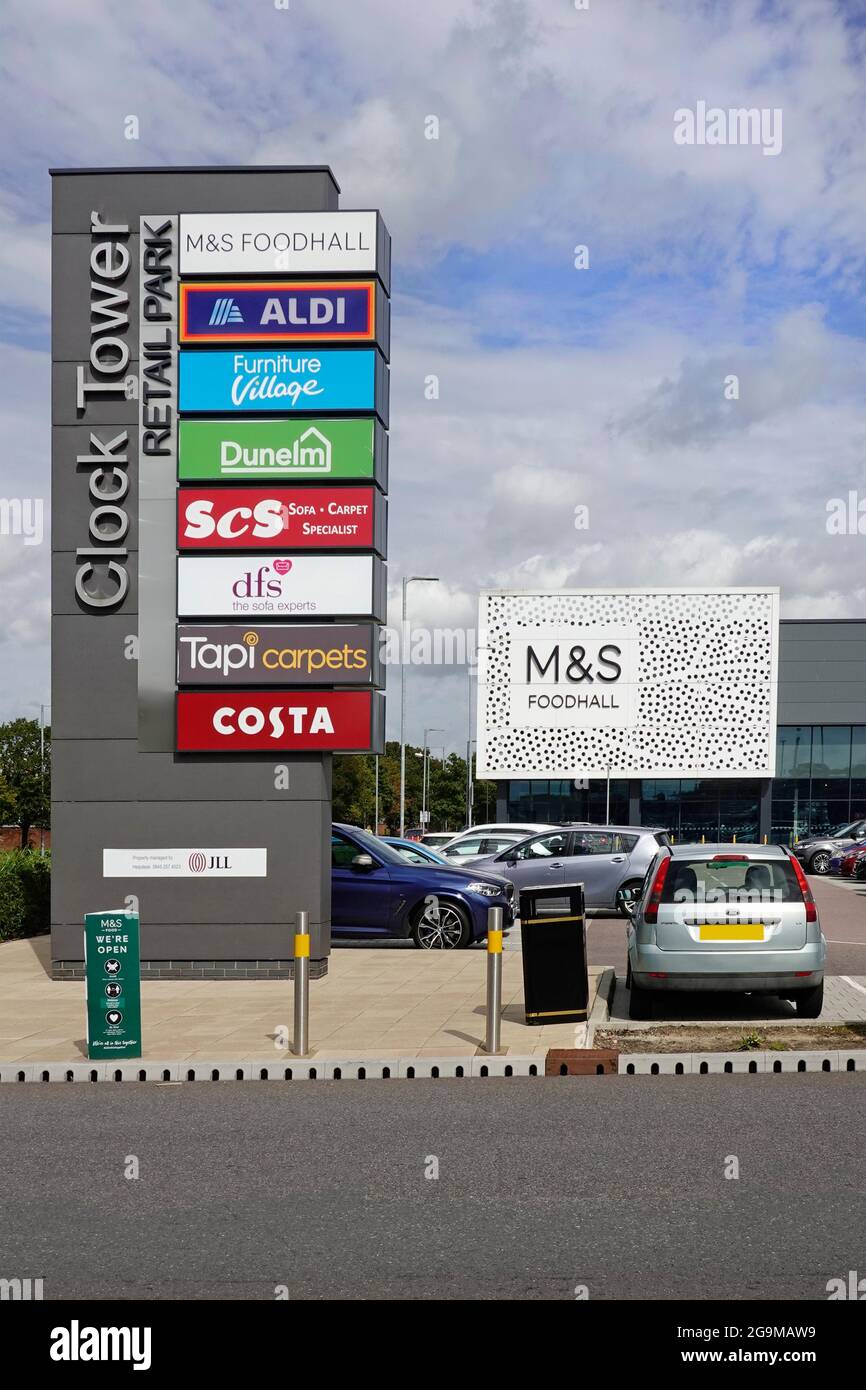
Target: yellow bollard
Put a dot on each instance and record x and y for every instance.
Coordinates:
(494, 979)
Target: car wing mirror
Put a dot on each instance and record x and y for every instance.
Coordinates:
(362, 861)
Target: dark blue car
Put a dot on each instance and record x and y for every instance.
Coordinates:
(375, 892)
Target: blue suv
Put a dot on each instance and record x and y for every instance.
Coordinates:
(375, 892)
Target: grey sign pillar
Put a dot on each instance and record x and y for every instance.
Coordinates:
(115, 781)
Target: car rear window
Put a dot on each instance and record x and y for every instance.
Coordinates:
(730, 879)
(662, 838)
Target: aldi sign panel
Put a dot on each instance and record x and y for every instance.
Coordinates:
(256, 451)
(296, 243)
(290, 654)
(217, 383)
(280, 586)
(283, 312)
(300, 721)
(628, 683)
(248, 518)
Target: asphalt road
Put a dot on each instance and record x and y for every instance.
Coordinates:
(613, 1183)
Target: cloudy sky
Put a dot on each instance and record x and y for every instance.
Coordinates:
(601, 387)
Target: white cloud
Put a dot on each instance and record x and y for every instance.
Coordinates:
(602, 388)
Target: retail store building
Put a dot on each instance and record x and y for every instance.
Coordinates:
(820, 776)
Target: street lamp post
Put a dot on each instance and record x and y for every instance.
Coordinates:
(425, 775)
(409, 579)
(469, 789)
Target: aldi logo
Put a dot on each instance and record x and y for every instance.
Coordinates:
(225, 311)
(321, 311)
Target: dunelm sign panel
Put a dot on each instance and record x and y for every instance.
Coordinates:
(282, 382)
(259, 450)
(628, 683)
(299, 243)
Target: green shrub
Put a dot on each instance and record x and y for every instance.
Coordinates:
(25, 894)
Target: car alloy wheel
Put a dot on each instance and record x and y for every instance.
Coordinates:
(820, 862)
(440, 927)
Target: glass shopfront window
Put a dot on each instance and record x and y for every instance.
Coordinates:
(794, 750)
(558, 800)
(820, 779)
(831, 751)
(820, 783)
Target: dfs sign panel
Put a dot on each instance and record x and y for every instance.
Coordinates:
(628, 683)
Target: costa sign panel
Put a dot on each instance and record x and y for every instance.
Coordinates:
(290, 311)
(294, 243)
(280, 586)
(260, 721)
(326, 379)
(245, 518)
(294, 654)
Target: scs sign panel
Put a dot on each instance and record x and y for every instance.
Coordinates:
(231, 654)
(256, 721)
(283, 312)
(326, 586)
(301, 519)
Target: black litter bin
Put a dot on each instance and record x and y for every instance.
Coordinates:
(553, 934)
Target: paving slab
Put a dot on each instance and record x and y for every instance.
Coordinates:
(382, 1003)
(844, 1002)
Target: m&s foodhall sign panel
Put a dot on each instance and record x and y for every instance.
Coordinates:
(297, 243)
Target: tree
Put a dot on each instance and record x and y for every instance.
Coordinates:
(353, 793)
(354, 790)
(25, 782)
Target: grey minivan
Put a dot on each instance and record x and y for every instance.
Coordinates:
(603, 858)
(725, 917)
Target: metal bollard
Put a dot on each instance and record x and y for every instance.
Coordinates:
(301, 1035)
(494, 979)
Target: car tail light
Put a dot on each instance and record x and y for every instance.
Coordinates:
(811, 909)
(651, 911)
(729, 859)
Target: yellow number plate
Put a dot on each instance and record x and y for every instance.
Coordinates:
(730, 931)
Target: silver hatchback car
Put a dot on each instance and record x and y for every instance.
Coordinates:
(724, 917)
(601, 857)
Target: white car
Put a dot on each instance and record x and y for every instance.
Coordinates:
(523, 828)
(487, 839)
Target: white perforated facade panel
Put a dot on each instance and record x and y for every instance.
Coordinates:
(640, 683)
